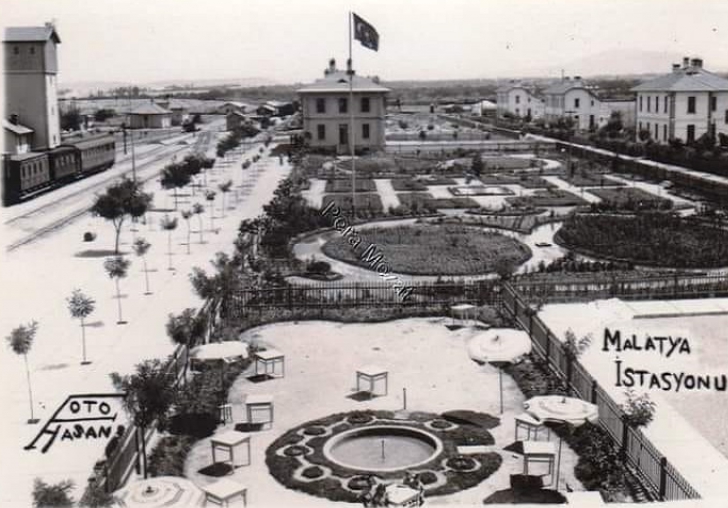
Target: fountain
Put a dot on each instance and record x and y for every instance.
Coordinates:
(382, 448)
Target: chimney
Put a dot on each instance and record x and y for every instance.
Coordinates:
(686, 62)
(676, 67)
(13, 119)
(696, 63)
(577, 78)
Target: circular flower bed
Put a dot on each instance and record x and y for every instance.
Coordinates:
(410, 249)
(441, 424)
(445, 473)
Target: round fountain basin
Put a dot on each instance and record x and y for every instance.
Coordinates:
(382, 448)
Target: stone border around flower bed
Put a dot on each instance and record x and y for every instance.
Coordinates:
(335, 479)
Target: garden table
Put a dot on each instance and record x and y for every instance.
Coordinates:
(223, 490)
(372, 374)
(228, 441)
(270, 358)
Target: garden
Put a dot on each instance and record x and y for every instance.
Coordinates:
(649, 238)
(301, 459)
(435, 249)
(548, 197)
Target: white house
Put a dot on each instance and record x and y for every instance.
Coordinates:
(684, 104)
(572, 98)
(520, 100)
(326, 111)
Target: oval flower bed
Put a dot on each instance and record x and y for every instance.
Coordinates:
(344, 484)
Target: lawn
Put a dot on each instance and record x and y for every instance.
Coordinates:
(648, 239)
(424, 200)
(407, 185)
(499, 163)
(524, 180)
(344, 185)
(548, 197)
(630, 198)
(585, 179)
(371, 202)
(435, 249)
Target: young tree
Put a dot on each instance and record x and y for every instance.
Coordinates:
(117, 268)
(186, 215)
(210, 196)
(638, 410)
(121, 200)
(218, 287)
(573, 349)
(20, 341)
(477, 165)
(169, 224)
(175, 176)
(198, 210)
(224, 188)
(186, 329)
(149, 393)
(46, 495)
(81, 306)
(141, 247)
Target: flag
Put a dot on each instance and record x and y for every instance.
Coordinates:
(365, 33)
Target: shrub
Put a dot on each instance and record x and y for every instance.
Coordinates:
(427, 477)
(319, 267)
(296, 450)
(88, 236)
(638, 410)
(441, 424)
(168, 457)
(460, 463)
(312, 472)
(360, 418)
(197, 425)
(359, 483)
(47, 494)
(314, 431)
(95, 496)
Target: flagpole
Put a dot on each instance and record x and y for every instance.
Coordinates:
(351, 123)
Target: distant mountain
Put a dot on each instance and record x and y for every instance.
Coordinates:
(84, 88)
(621, 62)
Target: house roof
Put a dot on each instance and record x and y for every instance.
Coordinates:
(233, 103)
(338, 81)
(277, 104)
(31, 34)
(150, 108)
(685, 80)
(561, 87)
(16, 128)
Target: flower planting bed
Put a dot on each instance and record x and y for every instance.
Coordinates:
(592, 180)
(344, 185)
(424, 200)
(479, 190)
(434, 249)
(407, 185)
(630, 198)
(549, 197)
(445, 472)
(365, 202)
(652, 239)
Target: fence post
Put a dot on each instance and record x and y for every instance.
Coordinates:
(663, 478)
(594, 391)
(625, 439)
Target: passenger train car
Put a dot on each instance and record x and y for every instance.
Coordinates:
(25, 175)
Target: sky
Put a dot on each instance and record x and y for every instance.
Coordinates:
(290, 41)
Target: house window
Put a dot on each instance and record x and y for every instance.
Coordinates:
(576, 103)
(665, 104)
(649, 103)
(518, 99)
(726, 116)
(32, 50)
(691, 105)
(664, 132)
(640, 103)
(320, 131)
(657, 131)
(320, 105)
(691, 133)
(365, 130)
(16, 50)
(657, 104)
(713, 103)
(365, 106)
(592, 103)
(343, 105)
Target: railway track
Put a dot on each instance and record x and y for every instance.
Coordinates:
(200, 145)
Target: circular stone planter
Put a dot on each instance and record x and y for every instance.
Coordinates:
(296, 451)
(382, 448)
(462, 464)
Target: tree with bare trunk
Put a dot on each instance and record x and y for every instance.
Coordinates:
(225, 188)
(169, 224)
(117, 268)
(141, 247)
(121, 200)
(198, 210)
(20, 341)
(186, 215)
(81, 306)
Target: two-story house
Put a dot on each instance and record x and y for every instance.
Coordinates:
(327, 109)
(572, 98)
(519, 100)
(684, 104)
